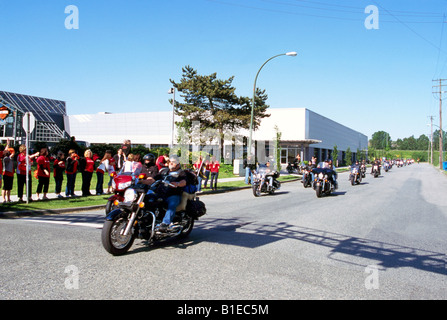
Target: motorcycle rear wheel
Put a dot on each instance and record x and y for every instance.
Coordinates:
(111, 237)
(187, 229)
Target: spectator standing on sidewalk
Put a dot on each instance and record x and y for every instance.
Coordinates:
(119, 159)
(88, 166)
(207, 170)
(71, 168)
(58, 172)
(214, 169)
(22, 171)
(8, 174)
(43, 173)
(198, 168)
(101, 170)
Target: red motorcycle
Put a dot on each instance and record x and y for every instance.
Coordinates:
(121, 181)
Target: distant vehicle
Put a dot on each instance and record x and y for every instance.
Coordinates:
(84, 144)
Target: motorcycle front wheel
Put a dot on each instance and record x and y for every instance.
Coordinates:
(112, 239)
(256, 190)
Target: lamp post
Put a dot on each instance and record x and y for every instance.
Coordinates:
(290, 54)
(172, 91)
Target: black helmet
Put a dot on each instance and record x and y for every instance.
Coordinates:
(149, 157)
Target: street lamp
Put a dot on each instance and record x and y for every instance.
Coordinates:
(290, 54)
(172, 91)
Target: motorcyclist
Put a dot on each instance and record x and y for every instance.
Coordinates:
(333, 175)
(174, 192)
(150, 169)
(376, 162)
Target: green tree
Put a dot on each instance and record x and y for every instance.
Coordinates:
(348, 156)
(214, 103)
(335, 156)
(380, 140)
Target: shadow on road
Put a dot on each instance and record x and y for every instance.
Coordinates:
(344, 248)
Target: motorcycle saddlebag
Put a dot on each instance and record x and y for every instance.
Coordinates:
(195, 208)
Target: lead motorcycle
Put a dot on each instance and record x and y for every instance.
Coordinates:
(323, 183)
(264, 181)
(142, 210)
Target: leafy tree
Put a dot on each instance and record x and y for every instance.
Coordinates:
(380, 140)
(214, 103)
(335, 156)
(348, 157)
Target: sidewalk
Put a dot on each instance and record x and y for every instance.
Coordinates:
(78, 194)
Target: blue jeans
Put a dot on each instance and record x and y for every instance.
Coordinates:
(71, 179)
(199, 184)
(173, 202)
(99, 183)
(247, 174)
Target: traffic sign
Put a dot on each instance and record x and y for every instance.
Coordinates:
(29, 122)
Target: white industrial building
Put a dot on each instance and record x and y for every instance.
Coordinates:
(303, 131)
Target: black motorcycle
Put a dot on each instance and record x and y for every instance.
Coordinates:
(355, 176)
(376, 170)
(307, 177)
(293, 168)
(142, 210)
(323, 183)
(264, 181)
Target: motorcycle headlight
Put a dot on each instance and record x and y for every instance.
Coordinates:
(130, 195)
(124, 185)
(320, 175)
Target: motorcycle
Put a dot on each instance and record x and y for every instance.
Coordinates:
(307, 177)
(264, 181)
(375, 170)
(121, 181)
(323, 183)
(363, 170)
(355, 176)
(142, 210)
(293, 168)
(386, 166)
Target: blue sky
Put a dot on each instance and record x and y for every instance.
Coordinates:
(124, 53)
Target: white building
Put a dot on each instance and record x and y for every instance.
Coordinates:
(303, 131)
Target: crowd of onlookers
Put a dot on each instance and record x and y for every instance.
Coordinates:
(67, 167)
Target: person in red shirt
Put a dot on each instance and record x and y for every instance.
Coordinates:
(87, 173)
(58, 172)
(71, 167)
(21, 172)
(8, 174)
(214, 169)
(162, 161)
(43, 173)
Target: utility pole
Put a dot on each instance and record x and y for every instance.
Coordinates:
(440, 118)
(431, 139)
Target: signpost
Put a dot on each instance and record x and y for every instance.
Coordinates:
(28, 123)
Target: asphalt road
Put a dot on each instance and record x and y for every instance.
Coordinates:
(383, 239)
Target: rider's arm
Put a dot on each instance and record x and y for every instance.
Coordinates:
(179, 184)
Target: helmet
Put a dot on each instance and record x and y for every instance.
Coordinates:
(149, 157)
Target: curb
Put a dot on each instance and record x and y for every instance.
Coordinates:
(28, 213)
